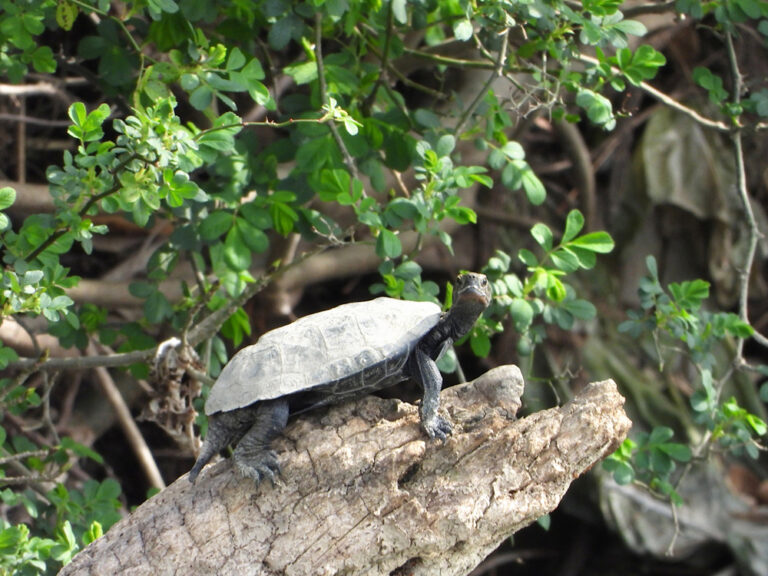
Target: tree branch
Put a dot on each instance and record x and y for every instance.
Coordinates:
(348, 160)
(365, 493)
(480, 96)
(128, 424)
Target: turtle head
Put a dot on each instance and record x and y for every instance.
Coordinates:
(471, 296)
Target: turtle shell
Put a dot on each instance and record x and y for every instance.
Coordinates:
(351, 348)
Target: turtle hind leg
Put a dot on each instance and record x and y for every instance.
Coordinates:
(224, 428)
(254, 457)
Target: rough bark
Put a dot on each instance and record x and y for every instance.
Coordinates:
(365, 493)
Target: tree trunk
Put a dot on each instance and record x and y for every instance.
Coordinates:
(364, 492)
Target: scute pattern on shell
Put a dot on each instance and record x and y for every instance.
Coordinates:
(350, 347)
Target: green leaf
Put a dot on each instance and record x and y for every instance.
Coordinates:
(712, 83)
(462, 30)
(168, 6)
(66, 13)
(679, 452)
(632, 27)
(661, 463)
(534, 188)
(660, 434)
(236, 252)
(600, 242)
(739, 328)
(236, 59)
(283, 217)
(573, 225)
(527, 257)
(757, 424)
(94, 532)
(81, 450)
(512, 176)
(7, 355)
(445, 145)
(283, 30)
(522, 314)
(303, 72)
(216, 224)
(565, 260)
(513, 150)
(623, 473)
(256, 240)
(480, 344)
(399, 11)
(581, 309)
(157, 308)
(556, 290)
(43, 60)
(543, 236)
(77, 113)
(690, 294)
(333, 183)
(7, 197)
(598, 107)
(388, 244)
(201, 97)
(189, 81)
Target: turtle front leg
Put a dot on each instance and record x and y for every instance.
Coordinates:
(254, 457)
(432, 381)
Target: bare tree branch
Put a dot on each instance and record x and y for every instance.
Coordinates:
(365, 493)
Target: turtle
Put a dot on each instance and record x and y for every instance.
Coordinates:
(331, 357)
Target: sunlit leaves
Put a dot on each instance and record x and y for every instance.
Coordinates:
(651, 459)
(86, 126)
(543, 292)
(598, 107)
(7, 198)
(66, 14)
(516, 172)
(712, 83)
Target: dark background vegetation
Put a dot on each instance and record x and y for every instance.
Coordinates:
(646, 144)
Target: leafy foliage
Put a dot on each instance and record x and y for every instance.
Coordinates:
(678, 315)
(542, 292)
(189, 129)
(650, 459)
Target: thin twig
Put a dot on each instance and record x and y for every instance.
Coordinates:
(399, 75)
(384, 57)
(127, 423)
(28, 89)
(669, 101)
(348, 160)
(741, 187)
(201, 332)
(449, 61)
(59, 232)
(22, 118)
(497, 72)
(23, 456)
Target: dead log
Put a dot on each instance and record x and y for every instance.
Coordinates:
(364, 492)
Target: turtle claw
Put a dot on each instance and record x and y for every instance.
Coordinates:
(264, 467)
(438, 428)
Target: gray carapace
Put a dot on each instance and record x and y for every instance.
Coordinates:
(331, 357)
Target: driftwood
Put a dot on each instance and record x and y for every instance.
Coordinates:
(364, 492)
